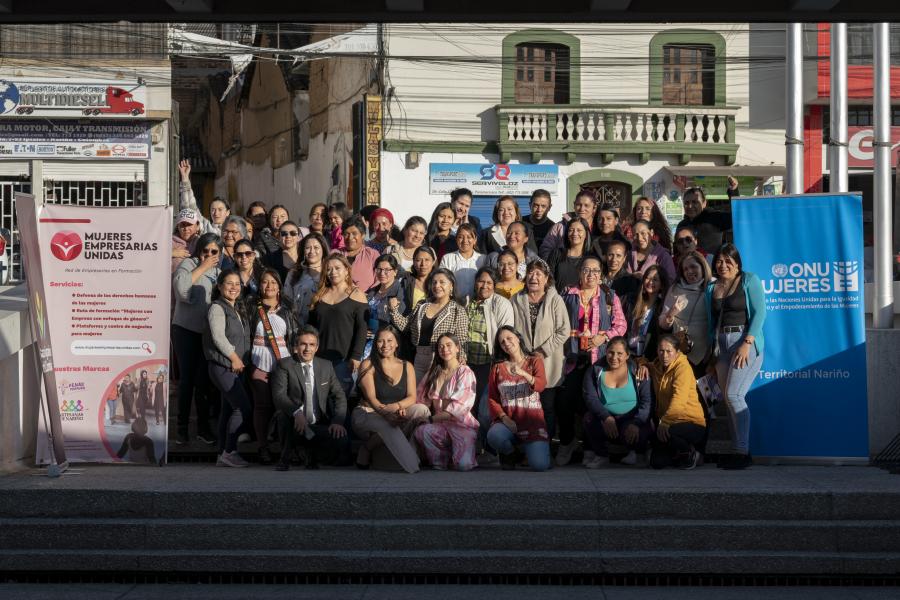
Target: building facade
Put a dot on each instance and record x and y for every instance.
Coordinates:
(625, 109)
(85, 117)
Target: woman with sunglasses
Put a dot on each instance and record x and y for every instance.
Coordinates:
(248, 268)
(193, 282)
(285, 258)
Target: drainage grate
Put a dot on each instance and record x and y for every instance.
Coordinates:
(633, 580)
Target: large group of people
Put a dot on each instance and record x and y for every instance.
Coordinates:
(451, 344)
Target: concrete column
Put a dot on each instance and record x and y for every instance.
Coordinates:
(793, 137)
(837, 147)
(883, 307)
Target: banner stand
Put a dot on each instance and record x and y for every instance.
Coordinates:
(54, 469)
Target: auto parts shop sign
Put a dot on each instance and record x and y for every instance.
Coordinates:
(26, 96)
(488, 179)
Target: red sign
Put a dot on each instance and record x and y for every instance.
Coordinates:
(861, 153)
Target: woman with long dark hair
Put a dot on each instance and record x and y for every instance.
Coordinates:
(606, 231)
(564, 263)
(303, 280)
(388, 413)
(287, 256)
(438, 315)
(387, 286)
(273, 324)
(646, 209)
(248, 268)
(644, 315)
(514, 392)
(440, 230)
(193, 282)
(737, 306)
(226, 346)
(448, 390)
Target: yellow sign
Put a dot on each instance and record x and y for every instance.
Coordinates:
(374, 136)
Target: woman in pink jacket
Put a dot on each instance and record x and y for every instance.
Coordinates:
(448, 390)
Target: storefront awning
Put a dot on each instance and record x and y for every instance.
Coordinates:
(735, 170)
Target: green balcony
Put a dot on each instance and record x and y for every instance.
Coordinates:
(612, 131)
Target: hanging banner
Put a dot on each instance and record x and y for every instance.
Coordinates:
(105, 277)
(809, 399)
(27, 216)
(488, 179)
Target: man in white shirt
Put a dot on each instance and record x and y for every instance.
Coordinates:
(311, 403)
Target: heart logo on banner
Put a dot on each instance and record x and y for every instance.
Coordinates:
(66, 245)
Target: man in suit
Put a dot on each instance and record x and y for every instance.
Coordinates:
(311, 403)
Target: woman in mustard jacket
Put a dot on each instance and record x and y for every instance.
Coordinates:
(681, 424)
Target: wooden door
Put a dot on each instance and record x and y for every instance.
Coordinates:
(542, 74)
(688, 74)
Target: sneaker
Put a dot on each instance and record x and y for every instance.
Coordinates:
(182, 440)
(244, 438)
(207, 438)
(564, 453)
(232, 459)
(597, 463)
(692, 461)
(589, 456)
(629, 459)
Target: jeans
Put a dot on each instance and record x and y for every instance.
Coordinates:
(237, 409)
(481, 409)
(734, 384)
(504, 441)
(193, 376)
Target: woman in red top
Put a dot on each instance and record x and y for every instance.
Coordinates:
(514, 387)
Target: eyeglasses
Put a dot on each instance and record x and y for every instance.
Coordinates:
(291, 233)
(243, 254)
(686, 240)
(211, 252)
(380, 270)
(587, 271)
(231, 232)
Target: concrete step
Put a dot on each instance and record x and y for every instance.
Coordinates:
(444, 562)
(384, 503)
(451, 535)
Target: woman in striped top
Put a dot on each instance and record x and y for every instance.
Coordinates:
(273, 325)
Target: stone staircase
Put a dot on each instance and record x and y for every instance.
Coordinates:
(196, 518)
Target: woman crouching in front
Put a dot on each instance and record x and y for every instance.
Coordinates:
(448, 390)
(618, 406)
(514, 392)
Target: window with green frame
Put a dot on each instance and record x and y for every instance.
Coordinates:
(681, 56)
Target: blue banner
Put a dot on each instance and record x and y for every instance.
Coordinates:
(809, 399)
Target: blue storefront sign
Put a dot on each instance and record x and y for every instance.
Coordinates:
(488, 179)
(809, 399)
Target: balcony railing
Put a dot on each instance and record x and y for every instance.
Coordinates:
(617, 129)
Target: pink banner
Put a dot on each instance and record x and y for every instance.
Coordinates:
(106, 282)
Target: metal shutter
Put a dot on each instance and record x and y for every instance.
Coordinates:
(83, 170)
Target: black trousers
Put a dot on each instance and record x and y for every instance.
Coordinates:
(682, 436)
(570, 404)
(193, 383)
(335, 450)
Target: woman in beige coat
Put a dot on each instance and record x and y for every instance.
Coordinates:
(542, 319)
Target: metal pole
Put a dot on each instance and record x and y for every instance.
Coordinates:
(793, 137)
(837, 146)
(883, 305)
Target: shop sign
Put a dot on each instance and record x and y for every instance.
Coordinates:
(27, 96)
(374, 135)
(487, 179)
(861, 152)
(71, 140)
